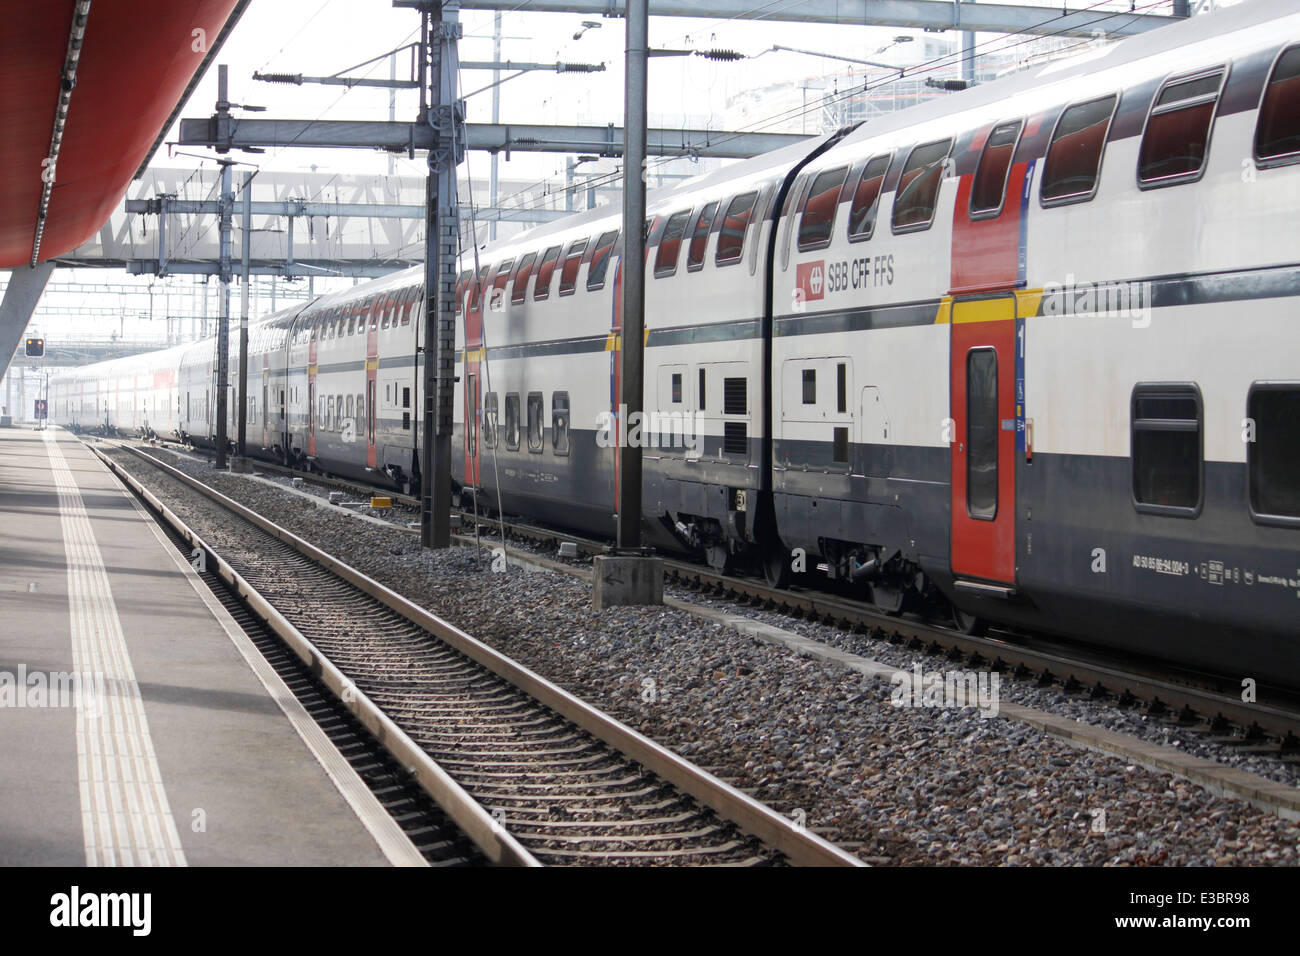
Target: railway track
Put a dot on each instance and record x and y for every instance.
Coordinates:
(530, 773)
(1208, 704)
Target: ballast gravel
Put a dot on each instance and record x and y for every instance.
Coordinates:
(901, 785)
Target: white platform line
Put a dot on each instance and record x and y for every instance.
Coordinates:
(388, 836)
(126, 820)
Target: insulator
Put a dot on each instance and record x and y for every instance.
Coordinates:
(720, 55)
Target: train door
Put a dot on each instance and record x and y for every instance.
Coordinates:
(312, 417)
(266, 405)
(370, 316)
(983, 440)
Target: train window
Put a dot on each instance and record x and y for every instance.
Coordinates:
(840, 446)
(370, 412)
(337, 417)
(462, 286)
(600, 256)
(700, 406)
(841, 388)
(560, 422)
(572, 261)
(535, 412)
(497, 298)
(519, 291)
(545, 270)
(512, 421)
(866, 199)
(677, 388)
(1166, 446)
(670, 244)
(478, 287)
(1178, 130)
(373, 306)
(1073, 161)
(1273, 453)
(990, 187)
(352, 408)
(1277, 135)
(388, 311)
(490, 420)
(700, 237)
(810, 386)
(918, 187)
(982, 433)
(818, 217)
(731, 238)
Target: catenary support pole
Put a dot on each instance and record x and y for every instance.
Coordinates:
(246, 232)
(440, 30)
(633, 351)
(223, 324)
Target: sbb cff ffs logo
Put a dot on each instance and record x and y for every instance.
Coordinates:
(35, 348)
(810, 279)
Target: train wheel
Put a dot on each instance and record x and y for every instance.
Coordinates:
(969, 623)
(888, 599)
(776, 568)
(719, 558)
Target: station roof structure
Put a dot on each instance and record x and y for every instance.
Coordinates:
(93, 87)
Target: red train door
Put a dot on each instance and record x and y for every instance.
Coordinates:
(370, 316)
(473, 371)
(983, 401)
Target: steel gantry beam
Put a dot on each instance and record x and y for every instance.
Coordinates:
(918, 14)
(336, 210)
(223, 134)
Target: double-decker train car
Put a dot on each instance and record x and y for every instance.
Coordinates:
(1026, 352)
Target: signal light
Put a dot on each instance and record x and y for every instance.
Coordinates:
(35, 348)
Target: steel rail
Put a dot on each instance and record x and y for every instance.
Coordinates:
(486, 833)
(800, 846)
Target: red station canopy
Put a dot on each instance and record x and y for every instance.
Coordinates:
(137, 61)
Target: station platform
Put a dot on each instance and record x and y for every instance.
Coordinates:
(134, 727)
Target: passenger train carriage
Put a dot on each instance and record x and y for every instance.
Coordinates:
(1030, 350)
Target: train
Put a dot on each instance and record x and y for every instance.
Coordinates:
(1027, 353)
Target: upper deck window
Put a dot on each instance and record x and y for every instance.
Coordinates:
(497, 297)
(731, 238)
(990, 186)
(572, 260)
(818, 218)
(519, 291)
(600, 257)
(866, 199)
(918, 187)
(1277, 137)
(1074, 157)
(700, 238)
(545, 270)
(1178, 130)
(670, 244)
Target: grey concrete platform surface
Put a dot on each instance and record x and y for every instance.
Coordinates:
(134, 727)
